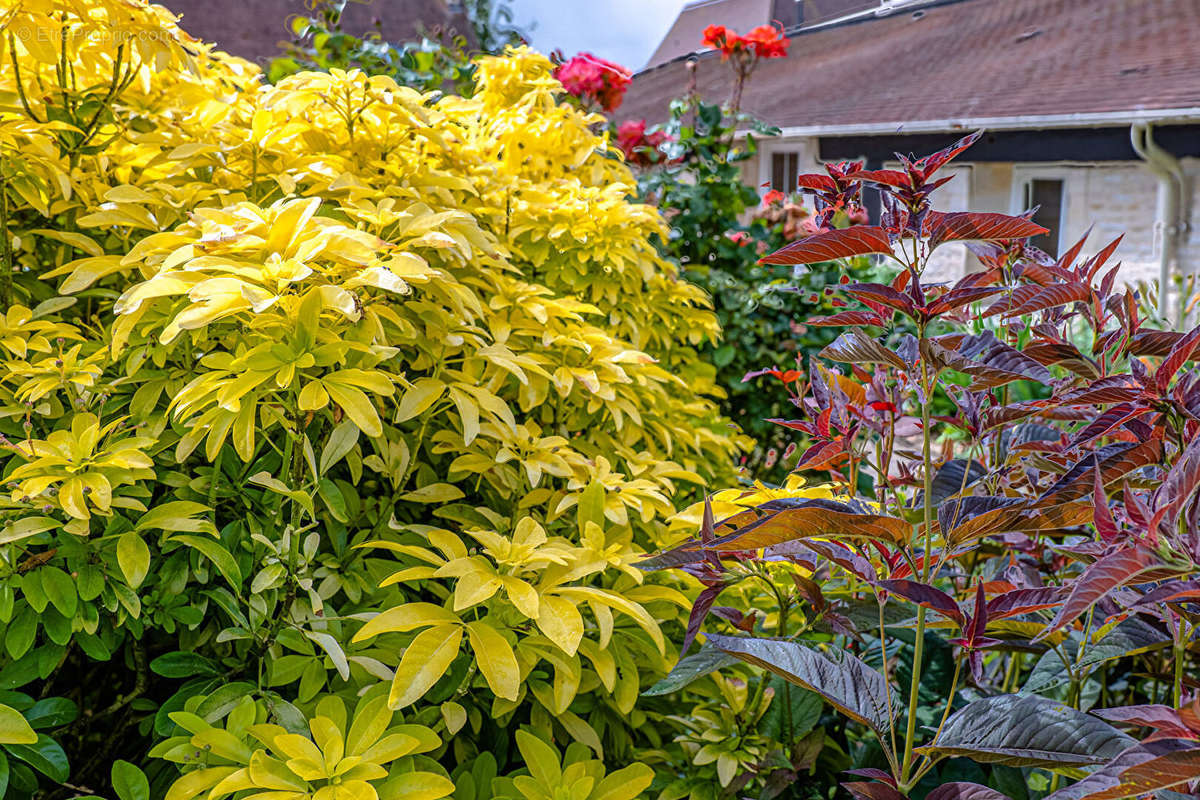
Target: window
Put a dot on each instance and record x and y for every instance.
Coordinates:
(785, 170)
(1047, 195)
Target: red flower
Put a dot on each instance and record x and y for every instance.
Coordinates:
(594, 80)
(740, 238)
(640, 148)
(718, 37)
(767, 41)
(772, 197)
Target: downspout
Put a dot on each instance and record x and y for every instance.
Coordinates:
(1169, 222)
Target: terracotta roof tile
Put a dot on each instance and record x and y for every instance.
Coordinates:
(255, 29)
(963, 59)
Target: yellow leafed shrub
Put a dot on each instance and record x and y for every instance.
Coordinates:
(335, 416)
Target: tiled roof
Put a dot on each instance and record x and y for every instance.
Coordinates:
(965, 59)
(255, 29)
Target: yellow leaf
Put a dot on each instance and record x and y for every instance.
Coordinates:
(358, 408)
(14, 729)
(561, 621)
(420, 786)
(434, 493)
(496, 659)
(454, 715)
(405, 618)
(424, 662)
(77, 240)
(421, 395)
(133, 556)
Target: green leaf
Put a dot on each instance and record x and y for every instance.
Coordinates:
(331, 646)
(19, 636)
(624, 784)
(591, 506)
(14, 728)
(29, 526)
(215, 552)
(51, 712)
(341, 441)
(177, 515)
(60, 589)
(266, 480)
(133, 556)
(45, 756)
(1027, 731)
(129, 782)
(183, 665)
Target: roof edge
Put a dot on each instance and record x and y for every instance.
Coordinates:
(1078, 120)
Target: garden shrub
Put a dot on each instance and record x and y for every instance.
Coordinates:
(1007, 609)
(335, 417)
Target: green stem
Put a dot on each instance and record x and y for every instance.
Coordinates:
(6, 281)
(910, 732)
(1180, 652)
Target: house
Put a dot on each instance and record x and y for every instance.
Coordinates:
(257, 29)
(1091, 107)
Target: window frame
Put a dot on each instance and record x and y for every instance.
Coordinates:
(1024, 175)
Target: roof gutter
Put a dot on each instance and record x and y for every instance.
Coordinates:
(1025, 122)
(1171, 219)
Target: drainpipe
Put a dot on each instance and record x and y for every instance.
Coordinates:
(1169, 222)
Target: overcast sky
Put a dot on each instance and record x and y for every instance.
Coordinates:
(625, 31)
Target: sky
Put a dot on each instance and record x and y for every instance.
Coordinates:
(624, 31)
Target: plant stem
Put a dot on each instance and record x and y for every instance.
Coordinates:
(919, 642)
(6, 281)
(1179, 652)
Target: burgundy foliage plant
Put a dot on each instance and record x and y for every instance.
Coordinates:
(1008, 582)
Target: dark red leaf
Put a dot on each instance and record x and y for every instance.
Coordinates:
(1180, 353)
(854, 347)
(789, 519)
(1153, 343)
(844, 557)
(704, 602)
(1159, 717)
(979, 618)
(847, 318)
(931, 163)
(862, 790)
(1151, 769)
(1107, 421)
(965, 225)
(816, 183)
(956, 298)
(888, 177)
(1042, 298)
(1106, 526)
(1025, 601)
(1172, 592)
(871, 772)
(1068, 355)
(925, 595)
(1093, 264)
(860, 240)
(1115, 461)
(1100, 578)
(883, 295)
(961, 790)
